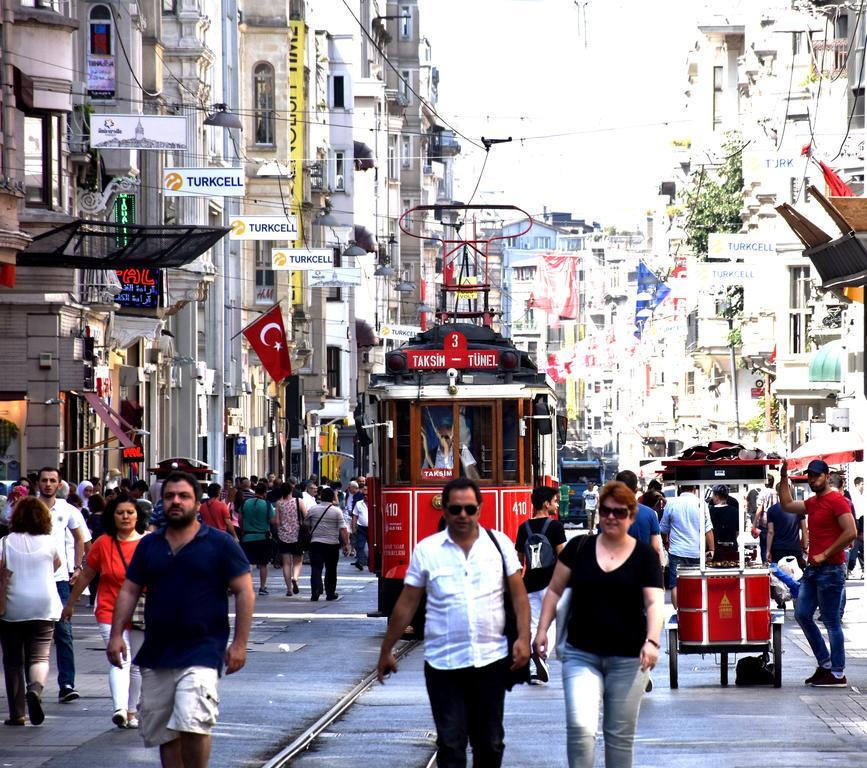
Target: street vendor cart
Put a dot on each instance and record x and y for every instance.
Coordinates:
(724, 607)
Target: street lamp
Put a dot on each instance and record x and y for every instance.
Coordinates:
(383, 270)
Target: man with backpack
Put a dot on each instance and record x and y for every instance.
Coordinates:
(540, 540)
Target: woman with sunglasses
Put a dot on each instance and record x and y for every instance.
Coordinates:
(613, 632)
(108, 558)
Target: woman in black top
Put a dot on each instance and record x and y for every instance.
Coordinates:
(613, 632)
(725, 518)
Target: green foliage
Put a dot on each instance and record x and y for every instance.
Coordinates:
(715, 197)
(735, 337)
(757, 423)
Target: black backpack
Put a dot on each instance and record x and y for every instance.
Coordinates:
(538, 552)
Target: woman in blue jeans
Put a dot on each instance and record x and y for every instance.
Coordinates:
(613, 631)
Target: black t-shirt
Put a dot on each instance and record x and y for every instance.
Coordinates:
(539, 578)
(725, 519)
(608, 617)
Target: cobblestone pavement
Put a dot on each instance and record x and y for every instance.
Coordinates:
(304, 656)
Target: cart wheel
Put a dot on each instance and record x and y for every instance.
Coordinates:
(724, 669)
(672, 658)
(778, 655)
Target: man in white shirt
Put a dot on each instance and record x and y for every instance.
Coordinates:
(683, 523)
(311, 489)
(591, 499)
(63, 519)
(359, 528)
(467, 658)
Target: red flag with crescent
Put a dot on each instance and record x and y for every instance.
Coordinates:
(267, 336)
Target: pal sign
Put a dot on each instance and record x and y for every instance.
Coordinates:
(301, 258)
(726, 246)
(209, 182)
(263, 228)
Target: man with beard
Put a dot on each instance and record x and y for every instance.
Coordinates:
(186, 568)
(832, 528)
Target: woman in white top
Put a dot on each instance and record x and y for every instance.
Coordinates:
(32, 607)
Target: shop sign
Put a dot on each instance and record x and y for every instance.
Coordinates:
(198, 182)
(265, 296)
(323, 278)
(763, 164)
(132, 454)
(722, 245)
(263, 228)
(709, 276)
(297, 111)
(155, 132)
(240, 446)
(283, 259)
(142, 288)
(100, 76)
(399, 332)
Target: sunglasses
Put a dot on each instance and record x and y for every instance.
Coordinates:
(456, 509)
(620, 513)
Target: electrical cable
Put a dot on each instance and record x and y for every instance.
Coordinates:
(119, 39)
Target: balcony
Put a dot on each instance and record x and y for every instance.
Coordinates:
(831, 55)
(706, 335)
(98, 286)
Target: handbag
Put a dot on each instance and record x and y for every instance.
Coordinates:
(138, 613)
(510, 628)
(564, 610)
(5, 578)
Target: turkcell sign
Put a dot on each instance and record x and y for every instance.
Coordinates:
(203, 182)
(758, 164)
(710, 275)
(263, 228)
(302, 259)
(722, 245)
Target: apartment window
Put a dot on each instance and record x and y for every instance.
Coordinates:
(525, 273)
(798, 41)
(689, 383)
(405, 23)
(405, 82)
(263, 100)
(799, 309)
(339, 171)
(717, 96)
(597, 423)
(43, 171)
(333, 359)
(392, 157)
(168, 6)
(533, 349)
(265, 292)
(338, 98)
(405, 151)
(100, 31)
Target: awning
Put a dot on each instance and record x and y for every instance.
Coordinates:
(127, 329)
(364, 238)
(363, 156)
(84, 244)
(114, 422)
(827, 363)
(836, 448)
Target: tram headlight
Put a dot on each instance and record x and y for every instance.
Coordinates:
(509, 360)
(395, 362)
(453, 380)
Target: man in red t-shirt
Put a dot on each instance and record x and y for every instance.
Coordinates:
(831, 528)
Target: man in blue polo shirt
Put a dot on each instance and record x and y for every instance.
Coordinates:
(186, 568)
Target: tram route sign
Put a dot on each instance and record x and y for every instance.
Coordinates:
(454, 354)
(437, 473)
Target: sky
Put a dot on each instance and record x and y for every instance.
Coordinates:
(608, 73)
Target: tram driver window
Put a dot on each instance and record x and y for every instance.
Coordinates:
(476, 448)
(437, 438)
(402, 432)
(510, 441)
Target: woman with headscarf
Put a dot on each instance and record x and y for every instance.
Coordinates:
(85, 491)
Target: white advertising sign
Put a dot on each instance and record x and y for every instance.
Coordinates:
(301, 258)
(758, 164)
(138, 131)
(263, 228)
(329, 277)
(399, 332)
(726, 246)
(208, 182)
(708, 275)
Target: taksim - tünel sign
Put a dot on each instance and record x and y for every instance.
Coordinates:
(203, 182)
(263, 228)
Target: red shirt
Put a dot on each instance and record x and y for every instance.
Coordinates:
(214, 513)
(104, 558)
(822, 514)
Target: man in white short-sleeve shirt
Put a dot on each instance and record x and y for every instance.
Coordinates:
(63, 519)
(467, 658)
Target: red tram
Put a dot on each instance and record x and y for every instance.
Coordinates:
(458, 400)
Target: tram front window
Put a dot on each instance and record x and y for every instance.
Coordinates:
(510, 441)
(401, 463)
(437, 437)
(476, 441)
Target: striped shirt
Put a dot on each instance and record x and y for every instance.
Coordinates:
(465, 617)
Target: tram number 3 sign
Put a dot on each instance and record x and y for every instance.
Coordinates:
(454, 354)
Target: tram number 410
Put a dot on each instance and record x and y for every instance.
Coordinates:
(520, 508)
(391, 510)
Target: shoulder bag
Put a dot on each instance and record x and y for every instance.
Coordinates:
(305, 532)
(138, 613)
(5, 577)
(564, 609)
(510, 629)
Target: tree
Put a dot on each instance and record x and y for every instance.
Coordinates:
(714, 199)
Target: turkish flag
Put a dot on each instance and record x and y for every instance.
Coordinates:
(267, 336)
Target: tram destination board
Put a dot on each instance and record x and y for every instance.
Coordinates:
(454, 354)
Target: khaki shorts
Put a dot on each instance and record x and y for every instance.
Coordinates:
(175, 701)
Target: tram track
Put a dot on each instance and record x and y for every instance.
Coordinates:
(309, 736)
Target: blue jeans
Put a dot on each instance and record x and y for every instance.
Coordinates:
(823, 586)
(361, 544)
(63, 643)
(615, 682)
